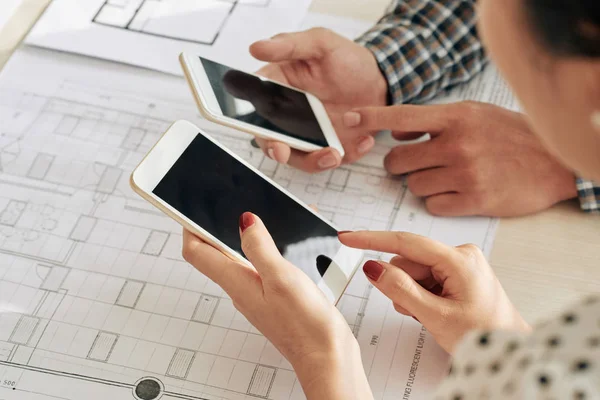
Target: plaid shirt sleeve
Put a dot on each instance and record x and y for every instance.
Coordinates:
(426, 46)
(589, 195)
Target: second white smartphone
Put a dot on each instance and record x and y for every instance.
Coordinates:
(259, 106)
(206, 188)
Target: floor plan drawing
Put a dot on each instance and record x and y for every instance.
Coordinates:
(198, 21)
(94, 295)
(152, 33)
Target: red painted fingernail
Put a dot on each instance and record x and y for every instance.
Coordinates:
(373, 270)
(343, 232)
(246, 221)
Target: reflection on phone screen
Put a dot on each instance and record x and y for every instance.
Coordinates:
(213, 189)
(263, 103)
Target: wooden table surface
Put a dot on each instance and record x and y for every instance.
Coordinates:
(545, 261)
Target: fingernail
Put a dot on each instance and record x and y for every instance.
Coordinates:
(246, 221)
(365, 144)
(351, 119)
(271, 153)
(373, 270)
(343, 232)
(328, 161)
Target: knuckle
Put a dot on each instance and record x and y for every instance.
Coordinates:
(471, 178)
(383, 117)
(320, 31)
(389, 162)
(370, 243)
(441, 206)
(479, 201)
(463, 149)
(400, 236)
(400, 285)
(393, 116)
(434, 207)
(415, 184)
(471, 174)
(470, 251)
(283, 35)
(250, 244)
(188, 250)
(322, 36)
(469, 109)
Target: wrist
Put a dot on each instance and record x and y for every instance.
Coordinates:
(379, 83)
(335, 374)
(382, 88)
(565, 186)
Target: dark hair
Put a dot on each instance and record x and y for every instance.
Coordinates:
(566, 27)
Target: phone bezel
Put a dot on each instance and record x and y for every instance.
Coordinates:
(209, 107)
(163, 156)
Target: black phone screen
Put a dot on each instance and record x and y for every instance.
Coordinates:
(213, 189)
(263, 103)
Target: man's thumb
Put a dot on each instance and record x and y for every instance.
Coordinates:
(310, 44)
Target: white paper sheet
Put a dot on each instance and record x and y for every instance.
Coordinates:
(152, 33)
(95, 299)
(7, 9)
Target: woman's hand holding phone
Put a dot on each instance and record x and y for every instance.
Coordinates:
(450, 290)
(341, 73)
(289, 309)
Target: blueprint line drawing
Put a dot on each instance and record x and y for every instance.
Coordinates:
(152, 33)
(93, 288)
(154, 17)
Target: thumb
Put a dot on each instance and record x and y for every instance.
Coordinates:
(276, 151)
(404, 291)
(259, 247)
(310, 44)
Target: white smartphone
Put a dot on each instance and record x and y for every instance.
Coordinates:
(259, 106)
(205, 187)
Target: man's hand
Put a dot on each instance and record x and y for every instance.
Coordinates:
(341, 73)
(481, 159)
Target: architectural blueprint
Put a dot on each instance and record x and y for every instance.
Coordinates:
(152, 33)
(154, 17)
(95, 299)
